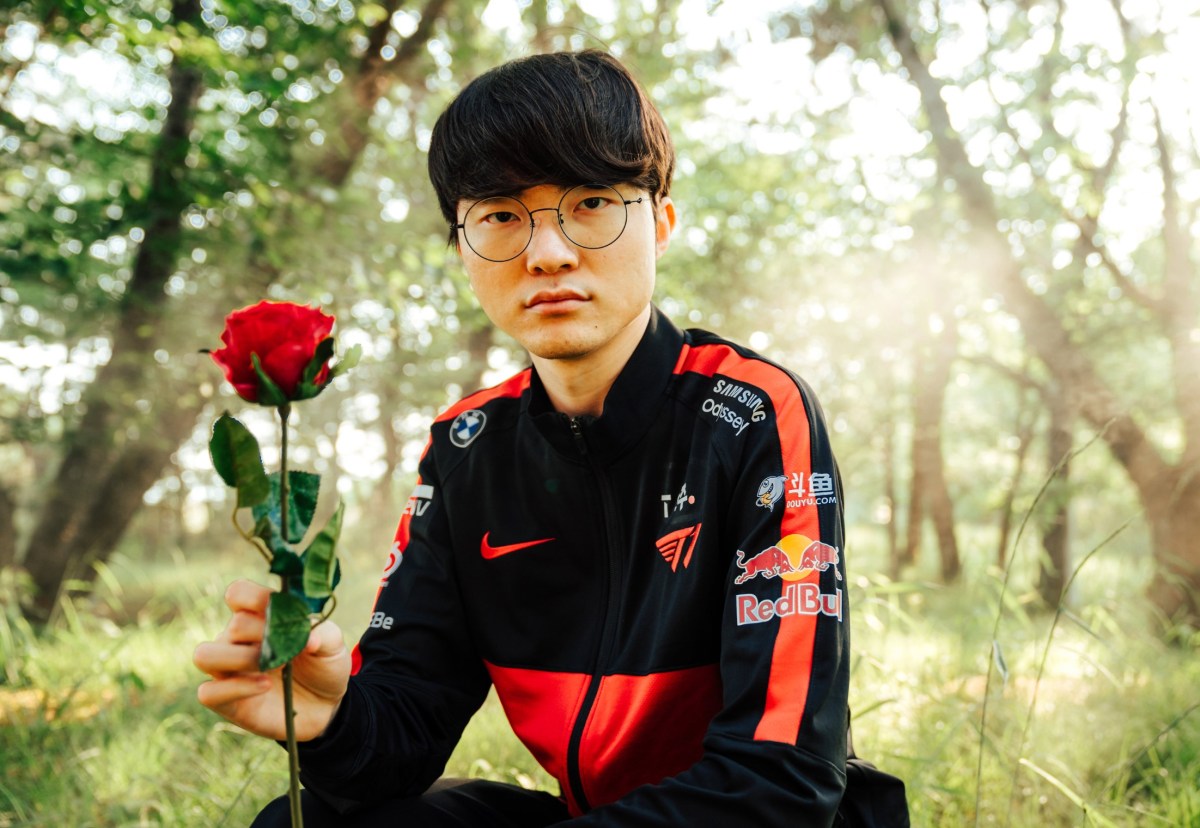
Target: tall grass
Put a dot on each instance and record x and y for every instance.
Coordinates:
(1092, 722)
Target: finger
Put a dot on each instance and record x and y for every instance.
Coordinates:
(325, 640)
(215, 658)
(245, 628)
(243, 595)
(220, 692)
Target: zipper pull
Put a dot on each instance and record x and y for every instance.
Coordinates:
(577, 431)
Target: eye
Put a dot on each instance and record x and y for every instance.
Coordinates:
(500, 217)
(593, 202)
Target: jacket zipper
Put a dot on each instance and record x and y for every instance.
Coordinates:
(608, 631)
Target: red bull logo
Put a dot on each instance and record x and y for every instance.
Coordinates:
(793, 558)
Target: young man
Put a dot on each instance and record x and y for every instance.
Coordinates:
(637, 541)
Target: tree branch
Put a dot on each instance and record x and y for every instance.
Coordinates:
(375, 77)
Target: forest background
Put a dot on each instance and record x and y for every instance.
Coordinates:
(970, 224)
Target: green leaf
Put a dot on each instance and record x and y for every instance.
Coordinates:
(349, 360)
(303, 488)
(321, 355)
(998, 658)
(268, 531)
(268, 392)
(307, 388)
(286, 632)
(287, 564)
(320, 559)
(236, 458)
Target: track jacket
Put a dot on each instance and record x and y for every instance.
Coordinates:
(658, 596)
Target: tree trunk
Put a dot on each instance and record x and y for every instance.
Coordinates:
(63, 532)
(930, 400)
(1052, 569)
(888, 464)
(8, 528)
(1026, 418)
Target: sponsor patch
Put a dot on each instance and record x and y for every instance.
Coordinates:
(797, 599)
(792, 558)
(819, 492)
(744, 396)
(466, 427)
(723, 413)
(395, 557)
(419, 500)
(379, 621)
(678, 546)
(770, 492)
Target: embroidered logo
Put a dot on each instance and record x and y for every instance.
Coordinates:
(419, 500)
(490, 552)
(792, 559)
(466, 427)
(679, 545)
(395, 557)
(820, 490)
(770, 492)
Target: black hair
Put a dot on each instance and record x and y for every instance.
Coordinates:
(564, 118)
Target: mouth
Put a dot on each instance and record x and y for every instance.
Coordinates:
(558, 299)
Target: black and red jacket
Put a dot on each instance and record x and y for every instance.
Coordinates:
(657, 595)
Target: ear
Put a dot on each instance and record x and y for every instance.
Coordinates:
(664, 225)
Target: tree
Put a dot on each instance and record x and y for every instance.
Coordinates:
(1059, 334)
(133, 418)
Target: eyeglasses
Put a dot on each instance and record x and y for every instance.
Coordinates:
(590, 215)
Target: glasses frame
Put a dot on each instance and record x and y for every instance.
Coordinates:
(557, 210)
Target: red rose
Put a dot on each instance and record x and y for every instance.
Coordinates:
(285, 337)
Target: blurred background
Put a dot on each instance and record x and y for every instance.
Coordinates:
(969, 224)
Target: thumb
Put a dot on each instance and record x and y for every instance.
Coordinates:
(325, 640)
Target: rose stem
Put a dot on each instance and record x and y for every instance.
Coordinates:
(289, 713)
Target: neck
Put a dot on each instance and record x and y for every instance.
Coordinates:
(579, 385)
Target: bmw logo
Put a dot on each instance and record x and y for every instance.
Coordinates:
(466, 427)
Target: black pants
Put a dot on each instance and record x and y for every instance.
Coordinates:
(473, 804)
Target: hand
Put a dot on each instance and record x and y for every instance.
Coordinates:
(254, 700)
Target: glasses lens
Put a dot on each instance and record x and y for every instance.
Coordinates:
(497, 228)
(592, 215)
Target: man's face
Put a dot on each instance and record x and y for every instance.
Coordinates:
(565, 302)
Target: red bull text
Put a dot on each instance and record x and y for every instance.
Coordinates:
(797, 599)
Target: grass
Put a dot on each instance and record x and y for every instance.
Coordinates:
(1092, 721)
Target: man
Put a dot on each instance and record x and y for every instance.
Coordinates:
(637, 541)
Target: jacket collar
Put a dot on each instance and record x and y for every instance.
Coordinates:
(631, 405)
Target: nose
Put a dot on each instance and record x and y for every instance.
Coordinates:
(549, 251)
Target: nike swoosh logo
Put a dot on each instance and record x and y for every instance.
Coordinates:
(489, 552)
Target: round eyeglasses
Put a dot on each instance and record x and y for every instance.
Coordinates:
(590, 216)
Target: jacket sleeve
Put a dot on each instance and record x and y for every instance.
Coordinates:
(776, 752)
(417, 679)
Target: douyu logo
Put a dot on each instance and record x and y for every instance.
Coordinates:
(466, 427)
(770, 492)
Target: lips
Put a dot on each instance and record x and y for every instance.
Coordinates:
(555, 298)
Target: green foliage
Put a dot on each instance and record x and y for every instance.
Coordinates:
(287, 630)
(303, 491)
(321, 568)
(236, 458)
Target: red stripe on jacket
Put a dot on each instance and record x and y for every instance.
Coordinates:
(792, 658)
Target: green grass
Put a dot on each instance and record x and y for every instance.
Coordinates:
(1095, 723)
